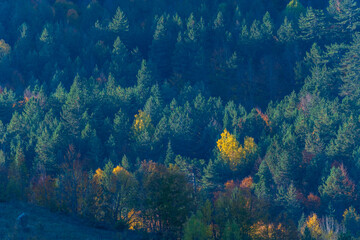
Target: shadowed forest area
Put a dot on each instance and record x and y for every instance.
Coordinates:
(191, 119)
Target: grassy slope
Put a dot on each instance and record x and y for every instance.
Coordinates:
(44, 225)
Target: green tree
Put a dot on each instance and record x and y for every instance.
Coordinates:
(162, 46)
(144, 83)
(346, 15)
(312, 24)
(286, 32)
(264, 182)
(267, 27)
(18, 175)
(170, 156)
(338, 188)
(350, 68)
(119, 23)
(120, 60)
(167, 198)
(74, 108)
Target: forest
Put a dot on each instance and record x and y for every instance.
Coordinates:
(191, 119)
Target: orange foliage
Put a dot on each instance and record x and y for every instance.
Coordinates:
(230, 185)
(247, 183)
(263, 116)
(21, 103)
(312, 201)
(261, 230)
(43, 191)
(99, 174)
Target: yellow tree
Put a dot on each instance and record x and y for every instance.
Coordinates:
(143, 131)
(142, 121)
(231, 150)
(117, 188)
(313, 224)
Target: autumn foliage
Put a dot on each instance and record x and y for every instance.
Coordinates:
(232, 151)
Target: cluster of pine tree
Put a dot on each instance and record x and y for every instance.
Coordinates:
(185, 119)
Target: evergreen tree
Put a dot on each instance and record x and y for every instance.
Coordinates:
(144, 82)
(125, 163)
(337, 188)
(346, 15)
(119, 63)
(263, 185)
(286, 32)
(73, 108)
(267, 27)
(312, 25)
(119, 23)
(162, 47)
(170, 156)
(350, 69)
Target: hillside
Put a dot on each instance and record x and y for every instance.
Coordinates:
(45, 225)
(181, 119)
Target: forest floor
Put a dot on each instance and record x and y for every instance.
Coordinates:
(44, 225)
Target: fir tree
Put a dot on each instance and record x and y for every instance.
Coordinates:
(119, 23)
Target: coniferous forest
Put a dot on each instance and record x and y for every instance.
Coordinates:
(191, 119)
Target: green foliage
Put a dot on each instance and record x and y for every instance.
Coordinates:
(338, 188)
(119, 22)
(264, 182)
(144, 115)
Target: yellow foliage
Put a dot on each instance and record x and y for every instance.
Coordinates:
(4, 48)
(99, 174)
(314, 225)
(350, 213)
(135, 220)
(229, 146)
(117, 170)
(231, 150)
(260, 230)
(142, 121)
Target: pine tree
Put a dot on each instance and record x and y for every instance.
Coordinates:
(341, 147)
(144, 82)
(162, 46)
(293, 206)
(7, 100)
(73, 108)
(170, 156)
(312, 25)
(255, 31)
(338, 188)
(267, 27)
(46, 36)
(45, 152)
(17, 174)
(264, 182)
(286, 32)
(350, 69)
(119, 23)
(119, 63)
(125, 163)
(346, 15)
